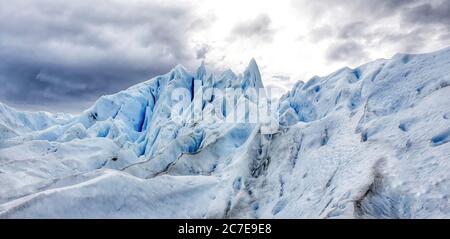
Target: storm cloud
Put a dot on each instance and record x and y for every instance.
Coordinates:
(54, 52)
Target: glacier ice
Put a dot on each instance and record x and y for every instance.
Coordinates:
(369, 142)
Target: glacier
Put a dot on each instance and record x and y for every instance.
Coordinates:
(368, 142)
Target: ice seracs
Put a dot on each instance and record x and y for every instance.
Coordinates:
(369, 142)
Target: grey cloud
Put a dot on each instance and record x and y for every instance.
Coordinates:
(408, 41)
(445, 36)
(346, 51)
(258, 28)
(352, 30)
(201, 52)
(428, 13)
(321, 33)
(384, 8)
(405, 25)
(57, 53)
(366, 9)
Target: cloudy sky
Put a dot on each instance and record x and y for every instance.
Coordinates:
(61, 55)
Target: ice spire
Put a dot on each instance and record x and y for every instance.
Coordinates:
(252, 77)
(201, 72)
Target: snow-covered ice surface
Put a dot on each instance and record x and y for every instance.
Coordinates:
(370, 142)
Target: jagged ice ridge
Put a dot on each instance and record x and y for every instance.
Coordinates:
(369, 142)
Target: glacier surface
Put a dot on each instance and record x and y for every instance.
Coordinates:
(369, 142)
